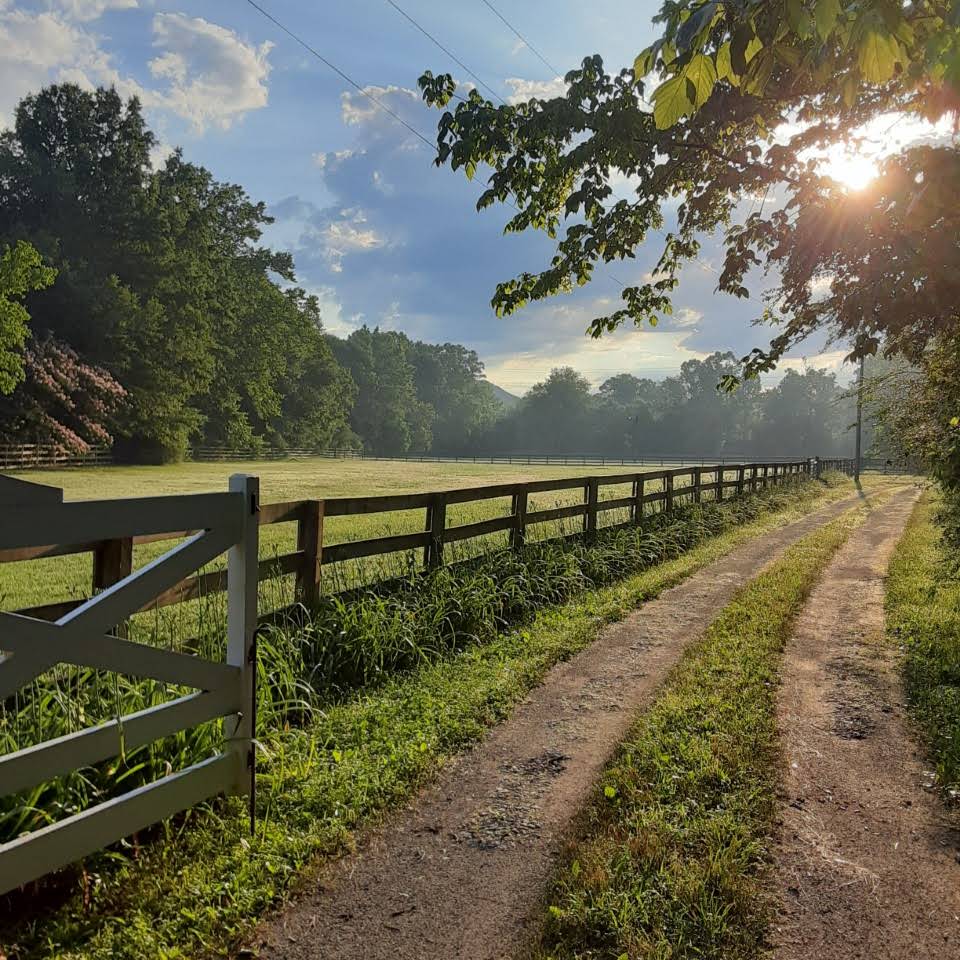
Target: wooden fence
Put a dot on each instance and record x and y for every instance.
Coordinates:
(649, 491)
(34, 456)
(88, 636)
(91, 632)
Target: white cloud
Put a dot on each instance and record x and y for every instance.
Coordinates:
(36, 49)
(328, 161)
(348, 234)
(159, 154)
(214, 77)
(205, 73)
(357, 107)
(85, 10)
(686, 318)
(541, 89)
(382, 185)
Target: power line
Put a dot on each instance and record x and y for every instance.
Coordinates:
(379, 103)
(340, 73)
(523, 39)
(449, 53)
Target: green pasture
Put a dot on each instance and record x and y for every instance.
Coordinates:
(53, 579)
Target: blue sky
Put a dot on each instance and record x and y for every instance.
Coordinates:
(378, 233)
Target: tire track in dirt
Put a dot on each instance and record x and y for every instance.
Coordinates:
(866, 858)
(460, 871)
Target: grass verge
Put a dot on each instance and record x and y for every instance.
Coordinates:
(669, 858)
(199, 889)
(923, 615)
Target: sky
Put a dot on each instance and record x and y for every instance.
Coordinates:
(381, 235)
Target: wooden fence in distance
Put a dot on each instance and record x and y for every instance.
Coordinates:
(113, 558)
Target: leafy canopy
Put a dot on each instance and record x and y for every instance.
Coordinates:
(21, 271)
(729, 113)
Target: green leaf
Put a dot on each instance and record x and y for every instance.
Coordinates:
(724, 66)
(470, 169)
(609, 792)
(643, 63)
(955, 421)
(798, 18)
(703, 75)
(878, 56)
(695, 24)
(825, 14)
(742, 37)
(759, 74)
(787, 54)
(670, 102)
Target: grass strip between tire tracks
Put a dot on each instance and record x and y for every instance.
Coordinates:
(669, 858)
(198, 891)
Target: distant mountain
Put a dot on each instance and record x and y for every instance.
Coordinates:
(508, 400)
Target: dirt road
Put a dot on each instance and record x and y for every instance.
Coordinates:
(867, 859)
(460, 872)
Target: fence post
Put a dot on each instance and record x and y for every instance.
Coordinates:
(113, 562)
(518, 535)
(593, 496)
(242, 577)
(638, 485)
(697, 478)
(310, 541)
(668, 491)
(720, 474)
(436, 525)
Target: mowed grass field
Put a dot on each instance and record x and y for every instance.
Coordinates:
(50, 580)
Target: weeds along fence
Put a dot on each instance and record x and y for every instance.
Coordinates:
(203, 683)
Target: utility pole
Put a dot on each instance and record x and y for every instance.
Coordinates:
(856, 462)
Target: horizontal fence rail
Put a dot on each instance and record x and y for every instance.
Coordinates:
(91, 633)
(177, 518)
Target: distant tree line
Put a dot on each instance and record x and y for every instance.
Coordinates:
(139, 306)
(805, 414)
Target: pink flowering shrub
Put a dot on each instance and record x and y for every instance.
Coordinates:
(63, 402)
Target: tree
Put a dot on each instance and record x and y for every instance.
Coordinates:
(555, 415)
(63, 402)
(746, 97)
(21, 271)
(449, 377)
(806, 414)
(163, 281)
(388, 415)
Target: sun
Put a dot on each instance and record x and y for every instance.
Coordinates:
(851, 168)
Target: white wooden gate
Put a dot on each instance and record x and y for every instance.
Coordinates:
(34, 516)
